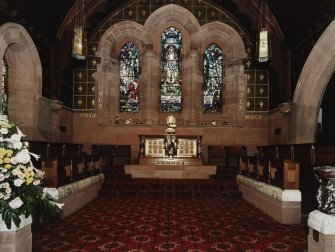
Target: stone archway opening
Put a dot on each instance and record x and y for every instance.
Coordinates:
(311, 86)
(24, 75)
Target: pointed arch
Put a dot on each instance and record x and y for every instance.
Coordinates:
(228, 39)
(171, 13)
(25, 74)
(108, 43)
(312, 83)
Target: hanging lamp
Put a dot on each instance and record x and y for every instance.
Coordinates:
(263, 42)
(79, 43)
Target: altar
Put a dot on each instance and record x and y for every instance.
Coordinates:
(170, 156)
(170, 146)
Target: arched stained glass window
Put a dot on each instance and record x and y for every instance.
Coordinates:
(129, 78)
(171, 56)
(4, 88)
(213, 73)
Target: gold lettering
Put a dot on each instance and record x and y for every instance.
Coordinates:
(87, 115)
(253, 117)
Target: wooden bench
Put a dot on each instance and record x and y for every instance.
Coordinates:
(281, 173)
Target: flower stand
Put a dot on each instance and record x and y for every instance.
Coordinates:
(16, 239)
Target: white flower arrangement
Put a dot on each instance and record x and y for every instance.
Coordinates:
(21, 190)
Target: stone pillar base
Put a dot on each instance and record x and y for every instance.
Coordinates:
(321, 236)
(16, 241)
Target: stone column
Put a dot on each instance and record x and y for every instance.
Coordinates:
(192, 80)
(235, 92)
(150, 87)
(107, 85)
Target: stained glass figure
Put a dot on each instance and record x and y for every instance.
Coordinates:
(129, 78)
(213, 73)
(4, 88)
(171, 63)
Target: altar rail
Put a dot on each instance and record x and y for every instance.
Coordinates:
(64, 163)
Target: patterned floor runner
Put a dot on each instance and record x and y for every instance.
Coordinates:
(168, 222)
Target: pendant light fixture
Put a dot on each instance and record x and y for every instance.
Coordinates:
(263, 42)
(79, 43)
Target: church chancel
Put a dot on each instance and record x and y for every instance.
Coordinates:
(170, 156)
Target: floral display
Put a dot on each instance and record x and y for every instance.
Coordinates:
(21, 184)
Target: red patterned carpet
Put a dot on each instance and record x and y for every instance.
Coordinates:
(169, 221)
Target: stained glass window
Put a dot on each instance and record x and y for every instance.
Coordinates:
(129, 78)
(4, 87)
(213, 73)
(171, 56)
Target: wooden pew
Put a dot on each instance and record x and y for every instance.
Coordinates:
(58, 163)
(268, 152)
(252, 167)
(308, 156)
(248, 166)
(226, 155)
(233, 153)
(284, 173)
(263, 170)
(281, 173)
(244, 160)
(78, 167)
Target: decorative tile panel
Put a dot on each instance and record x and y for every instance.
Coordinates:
(251, 91)
(79, 102)
(261, 104)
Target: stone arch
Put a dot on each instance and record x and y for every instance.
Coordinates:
(25, 74)
(231, 43)
(311, 86)
(225, 36)
(171, 15)
(108, 71)
(116, 34)
(172, 12)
